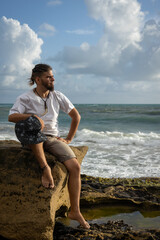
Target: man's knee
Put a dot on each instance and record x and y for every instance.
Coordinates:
(77, 166)
(73, 165)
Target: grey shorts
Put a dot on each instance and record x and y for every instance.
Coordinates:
(58, 148)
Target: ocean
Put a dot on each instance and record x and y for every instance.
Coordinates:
(123, 140)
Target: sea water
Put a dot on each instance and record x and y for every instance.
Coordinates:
(123, 140)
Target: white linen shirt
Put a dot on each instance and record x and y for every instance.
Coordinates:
(31, 103)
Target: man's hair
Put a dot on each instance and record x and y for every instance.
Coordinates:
(37, 71)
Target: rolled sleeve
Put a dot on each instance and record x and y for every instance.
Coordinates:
(18, 107)
(65, 104)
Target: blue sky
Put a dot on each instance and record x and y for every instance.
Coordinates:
(102, 51)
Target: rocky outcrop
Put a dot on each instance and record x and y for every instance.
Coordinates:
(27, 209)
(140, 192)
(112, 230)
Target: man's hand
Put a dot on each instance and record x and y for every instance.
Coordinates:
(67, 141)
(41, 121)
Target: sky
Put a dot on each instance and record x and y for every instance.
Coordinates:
(101, 51)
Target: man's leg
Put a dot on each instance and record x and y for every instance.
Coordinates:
(47, 178)
(74, 188)
(64, 153)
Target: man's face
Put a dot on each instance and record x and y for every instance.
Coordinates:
(47, 80)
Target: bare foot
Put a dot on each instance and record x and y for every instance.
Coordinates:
(47, 179)
(78, 217)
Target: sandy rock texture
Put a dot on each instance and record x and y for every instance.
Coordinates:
(27, 209)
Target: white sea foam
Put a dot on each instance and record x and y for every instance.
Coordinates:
(7, 132)
(118, 154)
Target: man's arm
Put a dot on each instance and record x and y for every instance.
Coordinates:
(74, 114)
(16, 117)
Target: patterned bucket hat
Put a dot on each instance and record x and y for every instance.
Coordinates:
(28, 131)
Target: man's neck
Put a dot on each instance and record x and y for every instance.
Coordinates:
(41, 92)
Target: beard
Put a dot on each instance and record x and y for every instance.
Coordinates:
(48, 86)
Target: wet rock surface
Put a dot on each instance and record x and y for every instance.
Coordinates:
(139, 192)
(112, 230)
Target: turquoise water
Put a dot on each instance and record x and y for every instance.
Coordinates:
(123, 140)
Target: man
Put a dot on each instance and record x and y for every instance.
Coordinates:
(44, 103)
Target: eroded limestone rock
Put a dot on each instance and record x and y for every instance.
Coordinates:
(27, 209)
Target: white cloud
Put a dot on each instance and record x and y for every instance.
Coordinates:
(46, 30)
(85, 46)
(19, 48)
(75, 66)
(123, 22)
(54, 3)
(140, 86)
(128, 50)
(80, 32)
(122, 19)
